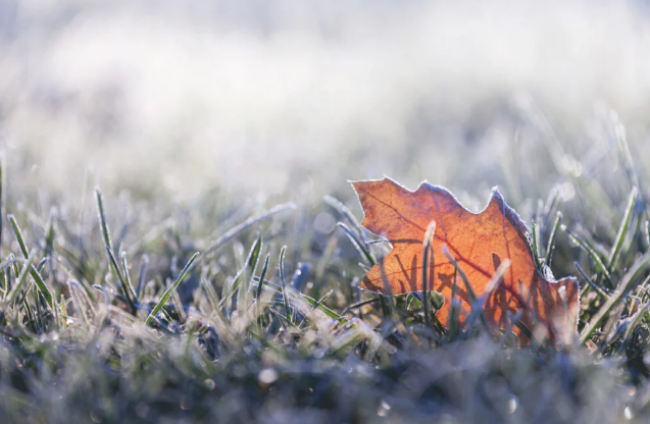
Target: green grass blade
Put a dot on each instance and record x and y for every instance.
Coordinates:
(120, 280)
(361, 247)
(468, 287)
(454, 314)
(602, 268)
(590, 282)
(427, 269)
(550, 247)
(124, 285)
(127, 280)
(623, 229)
(21, 278)
(102, 220)
(19, 235)
(535, 245)
(141, 277)
(50, 234)
(32, 270)
(283, 280)
(167, 294)
(260, 284)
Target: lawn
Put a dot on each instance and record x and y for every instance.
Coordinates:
(180, 241)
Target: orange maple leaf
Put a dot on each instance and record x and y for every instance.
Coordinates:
(478, 243)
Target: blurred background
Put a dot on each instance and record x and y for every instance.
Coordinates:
(290, 99)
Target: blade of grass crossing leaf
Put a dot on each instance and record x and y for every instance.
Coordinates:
(623, 229)
(33, 272)
(454, 314)
(536, 255)
(468, 286)
(167, 294)
(428, 252)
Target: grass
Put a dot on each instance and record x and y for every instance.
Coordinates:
(262, 320)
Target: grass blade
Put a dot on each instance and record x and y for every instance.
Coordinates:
(550, 247)
(622, 231)
(283, 280)
(591, 282)
(167, 294)
(33, 272)
(102, 219)
(535, 245)
(20, 281)
(120, 280)
(361, 247)
(428, 251)
(143, 272)
(468, 287)
(260, 284)
(593, 255)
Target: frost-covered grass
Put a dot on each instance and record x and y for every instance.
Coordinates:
(108, 314)
(231, 132)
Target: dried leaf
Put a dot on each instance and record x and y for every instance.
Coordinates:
(479, 243)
